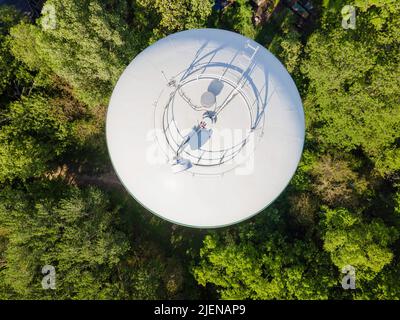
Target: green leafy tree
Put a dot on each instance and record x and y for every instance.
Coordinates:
(287, 45)
(385, 286)
(8, 17)
(363, 245)
(173, 16)
(257, 261)
(33, 134)
(238, 17)
(273, 269)
(89, 45)
(76, 233)
(352, 100)
(16, 78)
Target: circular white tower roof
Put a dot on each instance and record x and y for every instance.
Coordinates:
(205, 128)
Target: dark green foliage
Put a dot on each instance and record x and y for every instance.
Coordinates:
(76, 234)
(174, 16)
(33, 134)
(15, 77)
(237, 17)
(8, 17)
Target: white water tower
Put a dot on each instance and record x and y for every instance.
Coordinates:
(205, 128)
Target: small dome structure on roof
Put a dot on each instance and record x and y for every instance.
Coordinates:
(205, 128)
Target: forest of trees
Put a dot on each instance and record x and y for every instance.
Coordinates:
(58, 207)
